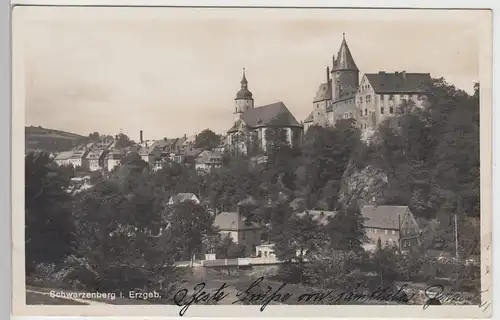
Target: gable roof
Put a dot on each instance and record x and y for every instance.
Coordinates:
(145, 151)
(233, 221)
(95, 154)
(324, 92)
(309, 117)
(384, 217)
(398, 82)
(209, 157)
(274, 114)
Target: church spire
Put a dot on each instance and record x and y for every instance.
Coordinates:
(345, 60)
(244, 93)
(244, 81)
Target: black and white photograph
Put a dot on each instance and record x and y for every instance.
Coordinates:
(186, 158)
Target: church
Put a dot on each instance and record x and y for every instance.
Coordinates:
(251, 123)
(370, 101)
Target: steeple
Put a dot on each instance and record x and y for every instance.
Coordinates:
(244, 81)
(344, 60)
(244, 93)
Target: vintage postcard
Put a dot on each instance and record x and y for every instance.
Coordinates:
(257, 162)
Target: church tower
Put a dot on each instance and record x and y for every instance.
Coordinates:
(345, 73)
(243, 100)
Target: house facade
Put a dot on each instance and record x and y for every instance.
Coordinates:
(242, 231)
(95, 160)
(391, 225)
(113, 159)
(75, 158)
(150, 154)
(208, 161)
(369, 101)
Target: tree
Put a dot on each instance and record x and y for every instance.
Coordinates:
(346, 229)
(123, 141)
(189, 226)
(94, 137)
(49, 227)
(207, 140)
(227, 249)
(120, 239)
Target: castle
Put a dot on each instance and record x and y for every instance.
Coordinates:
(369, 101)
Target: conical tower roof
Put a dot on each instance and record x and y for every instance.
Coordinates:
(344, 60)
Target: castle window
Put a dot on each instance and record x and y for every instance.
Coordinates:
(382, 110)
(391, 110)
(366, 112)
(360, 99)
(381, 97)
(391, 97)
(368, 98)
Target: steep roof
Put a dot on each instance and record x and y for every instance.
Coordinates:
(233, 221)
(309, 117)
(384, 217)
(324, 92)
(274, 114)
(145, 151)
(344, 60)
(398, 82)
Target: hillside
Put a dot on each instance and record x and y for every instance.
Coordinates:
(44, 139)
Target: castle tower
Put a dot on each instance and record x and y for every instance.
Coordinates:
(345, 73)
(243, 100)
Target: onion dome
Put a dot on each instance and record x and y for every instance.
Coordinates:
(244, 93)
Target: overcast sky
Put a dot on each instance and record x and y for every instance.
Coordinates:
(172, 71)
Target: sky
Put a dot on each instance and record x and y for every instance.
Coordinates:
(176, 71)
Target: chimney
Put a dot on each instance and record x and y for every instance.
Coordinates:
(403, 73)
(327, 74)
(185, 136)
(140, 136)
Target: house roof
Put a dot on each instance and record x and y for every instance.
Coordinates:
(233, 221)
(344, 60)
(145, 151)
(384, 217)
(324, 92)
(398, 82)
(274, 114)
(95, 154)
(309, 117)
(192, 152)
(321, 216)
(343, 97)
(209, 157)
(64, 155)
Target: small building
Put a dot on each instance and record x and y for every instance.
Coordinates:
(75, 158)
(208, 160)
(265, 250)
(150, 154)
(182, 197)
(393, 225)
(241, 230)
(95, 160)
(113, 159)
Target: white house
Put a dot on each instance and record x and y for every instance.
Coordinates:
(75, 158)
(95, 160)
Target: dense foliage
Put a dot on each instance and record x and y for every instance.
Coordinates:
(426, 158)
